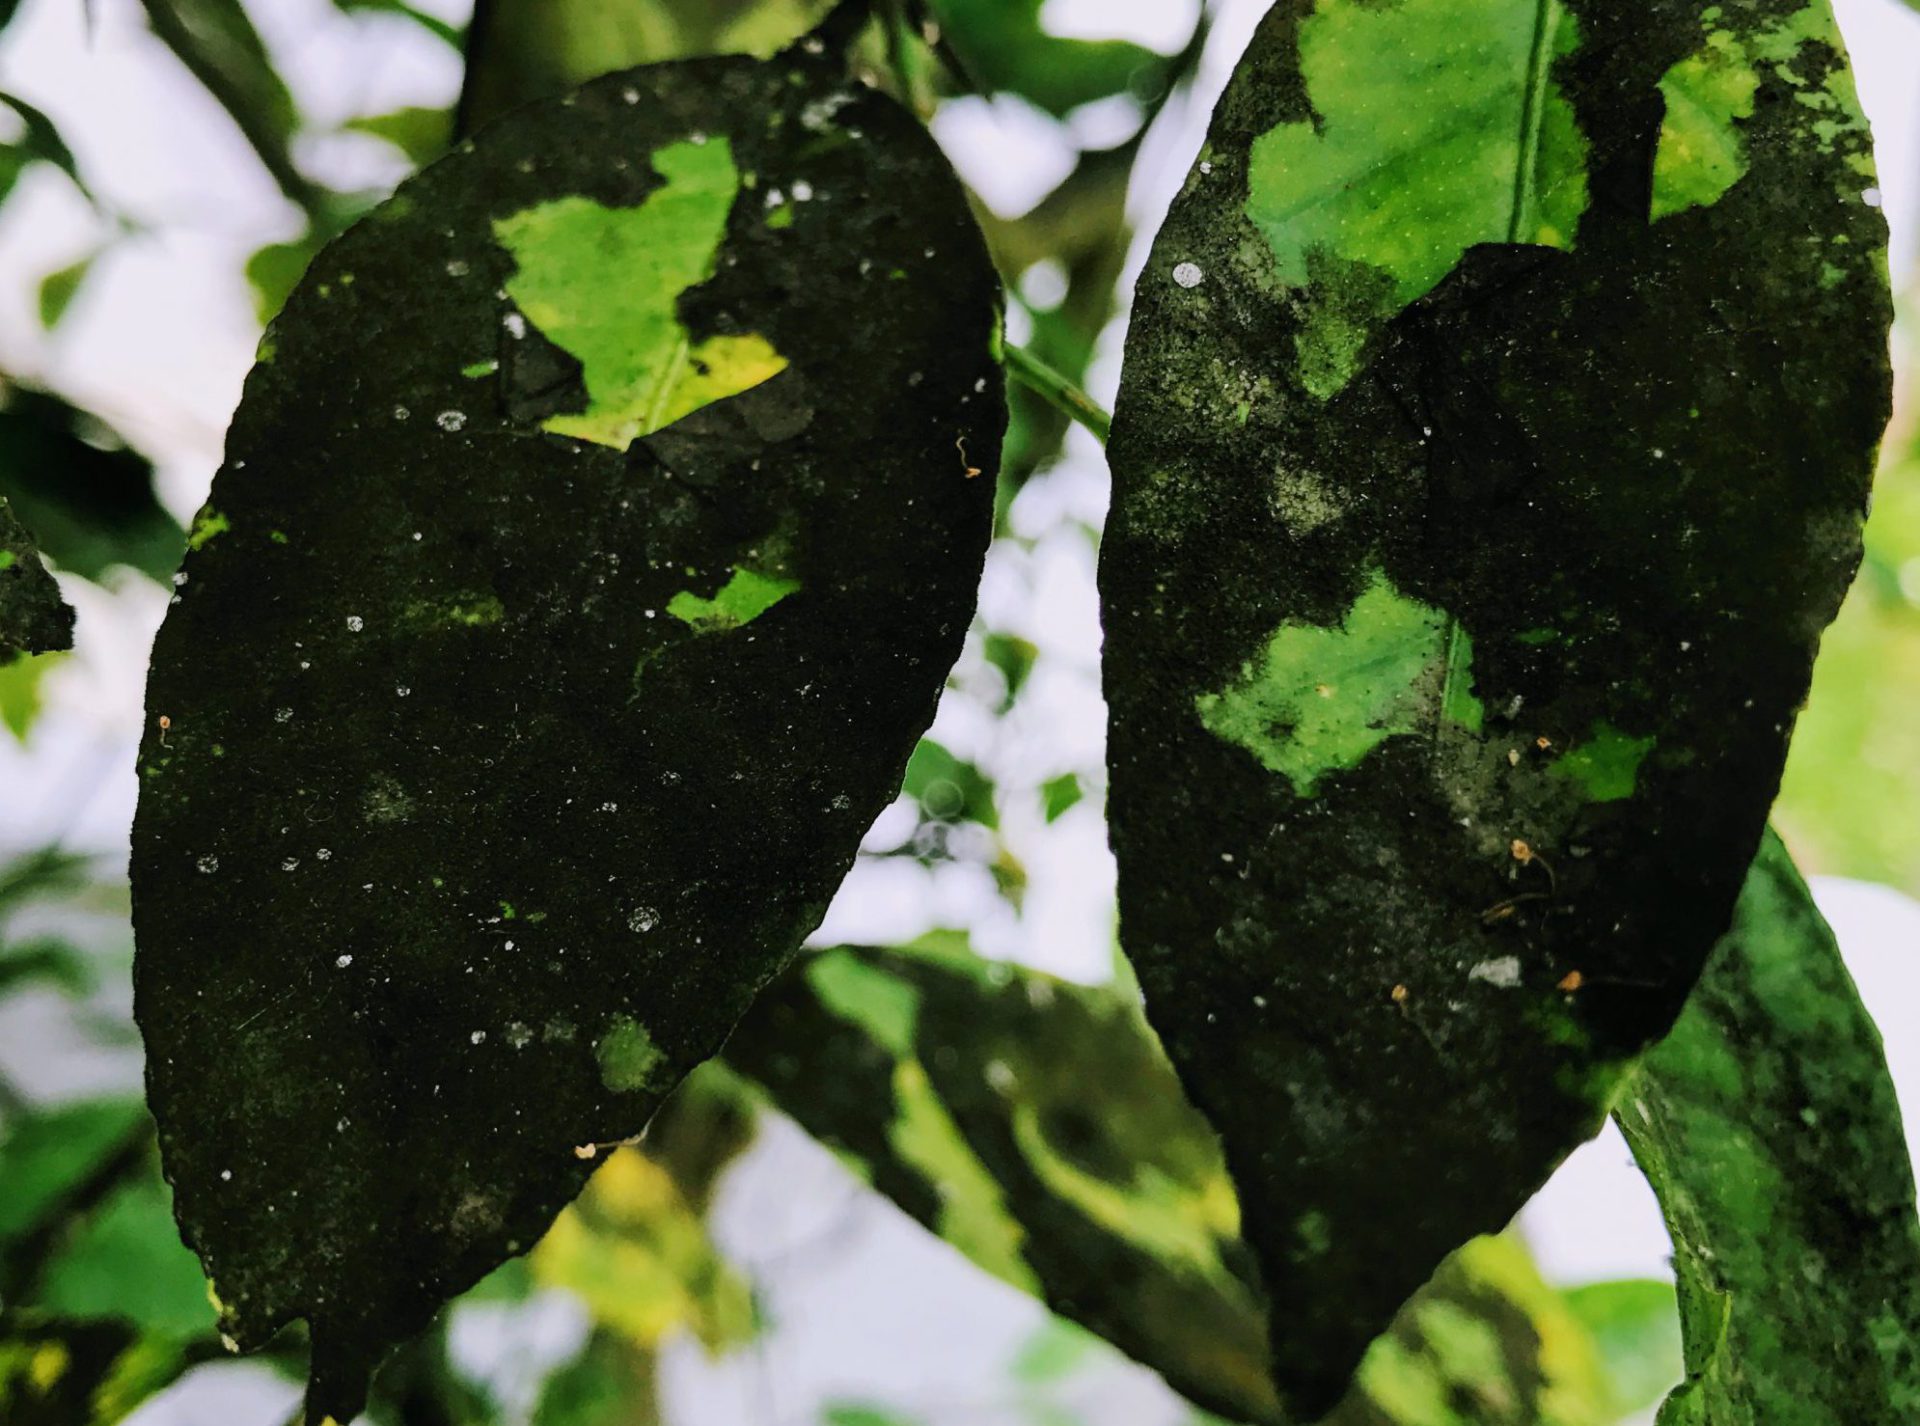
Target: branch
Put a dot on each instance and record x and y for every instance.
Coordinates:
(1057, 391)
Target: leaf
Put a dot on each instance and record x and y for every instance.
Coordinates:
(521, 50)
(39, 141)
(948, 788)
(1635, 1325)
(33, 617)
(1035, 1126)
(422, 134)
(20, 690)
(82, 1374)
(276, 269)
(58, 289)
(1472, 532)
(86, 495)
(433, 25)
(638, 1257)
(1768, 1127)
(416, 927)
(1005, 47)
(1060, 795)
(1853, 774)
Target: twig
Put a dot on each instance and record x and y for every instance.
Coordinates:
(1057, 391)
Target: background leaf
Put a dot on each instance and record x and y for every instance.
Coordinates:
(1769, 1128)
(1456, 609)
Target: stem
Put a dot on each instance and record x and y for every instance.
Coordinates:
(1053, 388)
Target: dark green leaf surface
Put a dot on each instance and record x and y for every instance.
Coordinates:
(87, 496)
(579, 579)
(1493, 444)
(1768, 1126)
(1035, 1126)
(34, 619)
(56, 1373)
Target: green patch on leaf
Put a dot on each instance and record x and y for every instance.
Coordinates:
(605, 284)
(1710, 96)
(1606, 767)
(628, 1056)
(1318, 699)
(1438, 124)
(745, 596)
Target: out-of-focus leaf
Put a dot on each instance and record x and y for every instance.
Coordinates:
(521, 50)
(1483, 475)
(276, 269)
(84, 493)
(1056, 1350)
(1005, 48)
(612, 1382)
(1847, 804)
(1768, 1127)
(1035, 1126)
(83, 1374)
(1014, 657)
(1635, 1324)
(1060, 795)
(49, 1158)
(34, 619)
(39, 141)
(421, 134)
(637, 1254)
(20, 692)
(949, 789)
(123, 1259)
(44, 960)
(745, 614)
(432, 24)
(859, 1413)
(58, 289)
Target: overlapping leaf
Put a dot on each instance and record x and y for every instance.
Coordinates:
(577, 583)
(1768, 1126)
(33, 617)
(1487, 463)
(1035, 1126)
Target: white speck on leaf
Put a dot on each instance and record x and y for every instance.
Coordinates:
(1502, 973)
(451, 420)
(1188, 274)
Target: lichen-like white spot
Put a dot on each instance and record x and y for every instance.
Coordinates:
(1188, 274)
(342, 962)
(478, 1037)
(207, 865)
(290, 864)
(802, 191)
(457, 268)
(355, 623)
(643, 919)
(1502, 973)
(402, 690)
(630, 95)
(451, 420)
(283, 715)
(518, 1035)
(400, 413)
(515, 324)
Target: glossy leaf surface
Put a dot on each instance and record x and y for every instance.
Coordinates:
(1486, 466)
(528, 702)
(1769, 1128)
